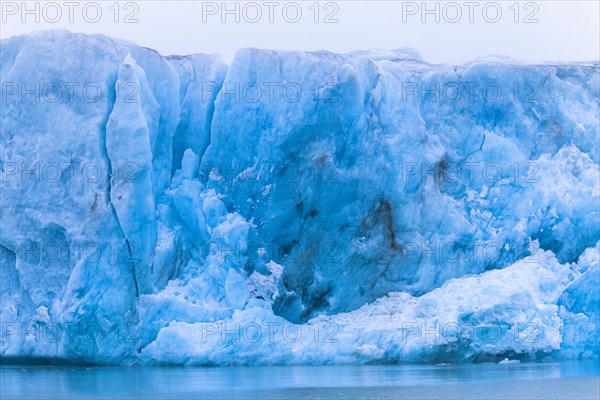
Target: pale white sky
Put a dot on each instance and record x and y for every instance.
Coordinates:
(527, 30)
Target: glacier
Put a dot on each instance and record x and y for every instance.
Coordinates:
(294, 207)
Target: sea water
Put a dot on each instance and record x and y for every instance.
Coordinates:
(565, 380)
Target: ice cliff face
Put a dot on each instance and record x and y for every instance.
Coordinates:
(294, 207)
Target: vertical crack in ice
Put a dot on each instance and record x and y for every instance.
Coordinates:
(210, 115)
(109, 177)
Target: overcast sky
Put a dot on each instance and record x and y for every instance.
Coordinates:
(464, 30)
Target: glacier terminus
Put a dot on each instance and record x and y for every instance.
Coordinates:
(294, 207)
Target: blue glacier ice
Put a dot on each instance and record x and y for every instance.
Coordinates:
(293, 207)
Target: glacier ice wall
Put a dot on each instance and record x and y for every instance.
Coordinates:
(294, 207)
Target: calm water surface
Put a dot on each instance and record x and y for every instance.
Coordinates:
(567, 380)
